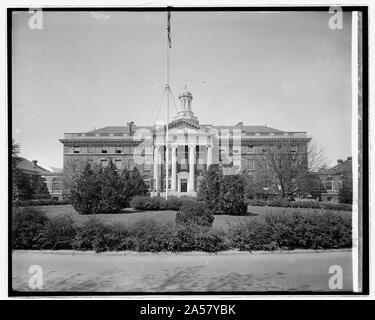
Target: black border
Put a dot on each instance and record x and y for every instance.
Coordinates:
(365, 182)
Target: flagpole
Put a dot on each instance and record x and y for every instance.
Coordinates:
(167, 113)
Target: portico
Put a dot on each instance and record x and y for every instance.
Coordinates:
(189, 151)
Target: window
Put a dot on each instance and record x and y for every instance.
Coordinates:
(104, 163)
(293, 149)
(76, 149)
(56, 185)
(251, 149)
(118, 164)
(250, 165)
(118, 150)
(264, 149)
(104, 150)
(329, 184)
(251, 179)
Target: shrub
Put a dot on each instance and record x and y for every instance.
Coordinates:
(86, 193)
(223, 194)
(232, 195)
(44, 202)
(90, 235)
(195, 213)
(58, 233)
(319, 230)
(209, 190)
(257, 202)
(132, 184)
(252, 235)
(159, 203)
(301, 204)
(174, 203)
(27, 228)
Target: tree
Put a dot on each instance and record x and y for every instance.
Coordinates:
(232, 195)
(223, 194)
(209, 190)
(86, 195)
(110, 189)
(132, 184)
(138, 186)
(346, 190)
(15, 156)
(289, 167)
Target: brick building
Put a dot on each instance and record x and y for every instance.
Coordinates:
(37, 182)
(332, 179)
(191, 148)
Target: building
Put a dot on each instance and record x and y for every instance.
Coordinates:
(333, 178)
(37, 182)
(191, 148)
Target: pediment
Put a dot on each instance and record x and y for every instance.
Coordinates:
(183, 123)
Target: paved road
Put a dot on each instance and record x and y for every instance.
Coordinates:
(183, 272)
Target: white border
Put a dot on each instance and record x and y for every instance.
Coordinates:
(162, 3)
(355, 149)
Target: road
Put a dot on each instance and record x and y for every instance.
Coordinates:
(193, 272)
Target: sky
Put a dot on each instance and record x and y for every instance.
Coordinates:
(86, 70)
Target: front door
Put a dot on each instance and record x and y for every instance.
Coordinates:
(183, 185)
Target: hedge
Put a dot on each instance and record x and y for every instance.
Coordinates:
(159, 203)
(46, 202)
(322, 230)
(301, 204)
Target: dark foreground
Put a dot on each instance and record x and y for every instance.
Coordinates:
(195, 272)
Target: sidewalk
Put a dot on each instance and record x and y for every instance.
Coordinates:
(227, 272)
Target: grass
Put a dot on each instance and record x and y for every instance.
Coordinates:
(129, 215)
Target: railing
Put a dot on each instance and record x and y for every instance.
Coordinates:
(96, 135)
(244, 134)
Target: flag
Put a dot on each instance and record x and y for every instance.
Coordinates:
(169, 30)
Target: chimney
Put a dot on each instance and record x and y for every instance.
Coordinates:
(339, 161)
(130, 125)
(349, 158)
(34, 162)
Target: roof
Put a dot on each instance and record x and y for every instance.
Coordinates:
(125, 129)
(29, 167)
(251, 129)
(119, 129)
(340, 168)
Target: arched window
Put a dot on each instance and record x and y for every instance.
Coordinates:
(329, 184)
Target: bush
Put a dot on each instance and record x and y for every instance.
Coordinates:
(223, 194)
(58, 233)
(27, 228)
(301, 204)
(86, 193)
(232, 195)
(192, 231)
(195, 213)
(252, 235)
(159, 203)
(320, 230)
(44, 202)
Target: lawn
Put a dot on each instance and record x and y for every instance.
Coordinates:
(129, 215)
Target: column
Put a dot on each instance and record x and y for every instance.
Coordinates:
(174, 168)
(156, 168)
(209, 156)
(191, 167)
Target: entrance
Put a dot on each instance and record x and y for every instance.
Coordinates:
(183, 185)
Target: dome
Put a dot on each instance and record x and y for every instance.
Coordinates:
(186, 94)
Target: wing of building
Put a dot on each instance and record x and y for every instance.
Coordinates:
(36, 182)
(191, 148)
